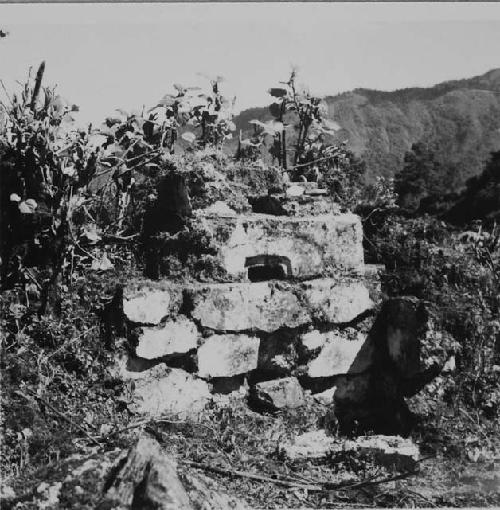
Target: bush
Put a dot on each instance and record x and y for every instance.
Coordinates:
(427, 258)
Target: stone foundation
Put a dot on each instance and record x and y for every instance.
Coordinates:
(310, 324)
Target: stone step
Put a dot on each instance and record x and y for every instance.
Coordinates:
(262, 306)
(302, 246)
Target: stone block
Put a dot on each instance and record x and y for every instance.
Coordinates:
(174, 337)
(342, 355)
(334, 301)
(166, 391)
(228, 355)
(307, 245)
(284, 393)
(150, 303)
(262, 306)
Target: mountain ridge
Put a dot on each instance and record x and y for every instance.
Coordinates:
(460, 119)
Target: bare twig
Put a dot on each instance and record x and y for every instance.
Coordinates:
(149, 421)
(251, 476)
(319, 487)
(370, 482)
(29, 274)
(85, 251)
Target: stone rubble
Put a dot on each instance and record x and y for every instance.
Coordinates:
(277, 394)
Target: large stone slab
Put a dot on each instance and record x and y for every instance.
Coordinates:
(169, 391)
(309, 245)
(390, 451)
(269, 306)
(174, 337)
(262, 306)
(228, 355)
(342, 355)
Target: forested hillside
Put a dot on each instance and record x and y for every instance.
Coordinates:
(460, 119)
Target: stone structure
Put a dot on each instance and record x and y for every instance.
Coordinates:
(297, 247)
(295, 312)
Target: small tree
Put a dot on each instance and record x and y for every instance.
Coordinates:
(46, 166)
(209, 112)
(307, 114)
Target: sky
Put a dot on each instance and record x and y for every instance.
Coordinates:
(107, 56)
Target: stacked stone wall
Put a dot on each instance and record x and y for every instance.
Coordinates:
(314, 329)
